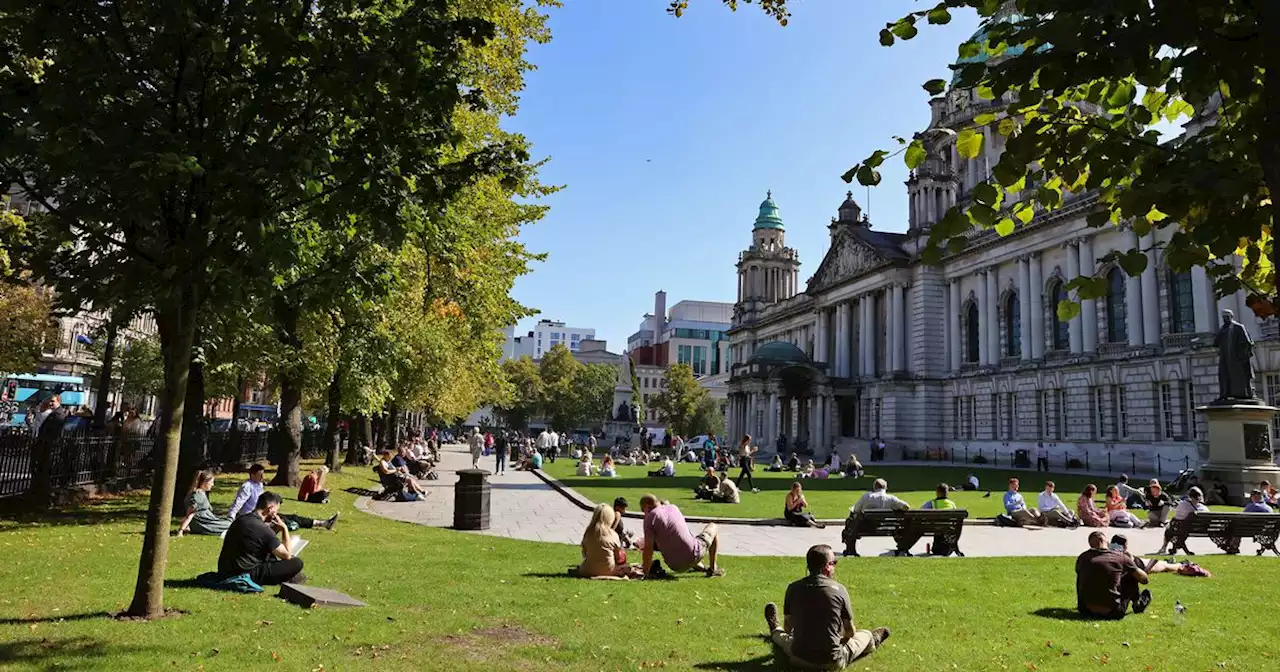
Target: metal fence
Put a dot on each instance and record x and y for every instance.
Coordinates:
(86, 459)
(1087, 462)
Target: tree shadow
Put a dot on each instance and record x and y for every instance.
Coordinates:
(55, 619)
(1060, 614)
(63, 654)
(105, 512)
(766, 662)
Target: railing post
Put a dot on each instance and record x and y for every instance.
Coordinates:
(1133, 463)
(1087, 467)
(1159, 470)
(1109, 469)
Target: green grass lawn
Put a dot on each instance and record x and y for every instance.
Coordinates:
(828, 498)
(441, 600)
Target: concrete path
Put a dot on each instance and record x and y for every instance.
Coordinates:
(522, 506)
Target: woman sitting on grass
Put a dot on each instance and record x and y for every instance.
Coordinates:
(1118, 512)
(584, 464)
(602, 551)
(200, 516)
(312, 489)
(607, 469)
(1088, 512)
(852, 467)
(776, 464)
(795, 506)
(807, 470)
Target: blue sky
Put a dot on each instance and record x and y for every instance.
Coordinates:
(666, 133)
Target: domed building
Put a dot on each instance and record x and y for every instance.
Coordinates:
(971, 355)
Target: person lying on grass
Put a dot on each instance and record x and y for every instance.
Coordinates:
(602, 551)
(665, 529)
(817, 630)
(251, 546)
(1107, 581)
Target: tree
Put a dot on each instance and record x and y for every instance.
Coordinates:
(1082, 89)
(709, 418)
(182, 149)
(25, 327)
(559, 373)
(141, 369)
(679, 402)
(524, 393)
(594, 387)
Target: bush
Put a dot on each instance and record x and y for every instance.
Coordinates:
(1074, 463)
(979, 460)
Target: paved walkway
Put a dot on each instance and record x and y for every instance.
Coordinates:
(523, 507)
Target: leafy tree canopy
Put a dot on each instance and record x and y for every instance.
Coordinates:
(25, 326)
(681, 400)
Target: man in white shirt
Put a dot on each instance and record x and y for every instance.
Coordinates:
(1042, 459)
(555, 445)
(1134, 498)
(1054, 511)
(668, 469)
(544, 441)
(727, 492)
(879, 498)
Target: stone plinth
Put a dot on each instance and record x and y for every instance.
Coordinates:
(1240, 452)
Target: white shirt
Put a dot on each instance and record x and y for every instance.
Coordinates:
(729, 490)
(544, 440)
(1042, 451)
(973, 480)
(555, 439)
(1049, 501)
(878, 499)
(835, 462)
(669, 467)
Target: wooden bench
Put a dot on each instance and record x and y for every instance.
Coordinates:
(1226, 530)
(906, 528)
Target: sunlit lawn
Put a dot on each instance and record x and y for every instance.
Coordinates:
(442, 600)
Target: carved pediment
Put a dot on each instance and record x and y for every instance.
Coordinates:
(847, 258)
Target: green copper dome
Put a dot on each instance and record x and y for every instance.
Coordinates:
(769, 217)
(778, 352)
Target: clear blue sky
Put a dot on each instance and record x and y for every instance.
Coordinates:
(666, 134)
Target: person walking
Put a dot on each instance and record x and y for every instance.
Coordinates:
(476, 443)
(746, 460)
(501, 448)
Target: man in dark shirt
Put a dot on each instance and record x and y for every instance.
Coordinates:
(251, 546)
(1107, 582)
(817, 628)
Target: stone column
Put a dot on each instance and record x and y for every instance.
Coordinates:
(772, 421)
(1037, 306)
(983, 357)
(823, 421)
(1024, 307)
(1133, 300)
(899, 327)
(953, 323)
(1088, 307)
(873, 366)
(837, 362)
(846, 336)
(1150, 294)
(1201, 294)
(850, 347)
(1073, 270)
(862, 336)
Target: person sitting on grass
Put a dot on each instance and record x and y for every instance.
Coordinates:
(1016, 507)
(584, 464)
(602, 551)
(1053, 510)
(793, 463)
(1190, 505)
(312, 489)
(607, 469)
(817, 630)
(853, 468)
(941, 499)
(1133, 497)
(1090, 515)
(776, 464)
(879, 498)
(619, 508)
(532, 462)
(970, 482)
(1120, 544)
(1107, 582)
(251, 546)
(707, 485)
(246, 502)
(794, 508)
(389, 473)
(807, 470)
(200, 516)
(727, 492)
(1159, 504)
(1118, 512)
(833, 466)
(665, 529)
(667, 470)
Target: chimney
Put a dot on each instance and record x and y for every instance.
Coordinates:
(659, 314)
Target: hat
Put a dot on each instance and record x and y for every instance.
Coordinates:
(1195, 493)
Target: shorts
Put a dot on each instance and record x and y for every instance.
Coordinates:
(705, 537)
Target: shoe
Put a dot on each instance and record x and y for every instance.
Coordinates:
(755, 490)
(328, 524)
(771, 616)
(1140, 604)
(715, 573)
(879, 635)
(299, 578)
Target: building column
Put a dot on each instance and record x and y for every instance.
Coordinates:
(1088, 307)
(1024, 307)
(981, 295)
(1133, 317)
(1073, 271)
(873, 366)
(899, 328)
(774, 412)
(819, 353)
(1202, 302)
(1037, 306)
(823, 422)
(953, 323)
(891, 328)
(1150, 294)
(862, 336)
(842, 338)
(850, 328)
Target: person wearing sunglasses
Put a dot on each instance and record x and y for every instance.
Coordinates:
(817, 630)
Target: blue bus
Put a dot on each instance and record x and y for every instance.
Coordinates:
(21, 393)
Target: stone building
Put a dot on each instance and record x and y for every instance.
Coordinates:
(970, 354)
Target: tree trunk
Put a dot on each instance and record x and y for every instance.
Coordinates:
(393, 426)
(366, 430)
(191, 453)
(355, 438)
(176, 321)
(331, 437)
(288, 436)
(100, 407)
(376, 427)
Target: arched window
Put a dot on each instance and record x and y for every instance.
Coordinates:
(1061, 333)
(1117, 328)
(1012, 326)
(1182, 319)
(971, 333)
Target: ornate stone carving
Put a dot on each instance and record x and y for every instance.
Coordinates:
(846, 259)
(1257, 442)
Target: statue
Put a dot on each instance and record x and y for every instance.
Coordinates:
(1235, 359)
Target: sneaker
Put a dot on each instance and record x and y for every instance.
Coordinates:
(771, 616)
(756, 490)
(879, 635)
(715, 573)
(1140, 604)
(328, 524)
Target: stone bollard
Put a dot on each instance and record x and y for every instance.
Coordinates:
(471, 500)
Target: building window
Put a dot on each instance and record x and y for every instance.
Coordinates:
(1062, 423)
(971, 333)
(1099, 413)
(684, 354)
(1010, 415)
(1119, 413)
(1271, 392)
(1061, 333)
(1042, 414)
(699, 360)
(1182, 316)
(1188, 419)
(1166, 409)
(955, 417)
(1117, 329)
(1012, 326)
(993, 419)
(973, 417)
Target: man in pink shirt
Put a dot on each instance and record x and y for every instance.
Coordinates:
(665, 530)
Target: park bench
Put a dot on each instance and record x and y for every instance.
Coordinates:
(1226, 530)
(906, 528)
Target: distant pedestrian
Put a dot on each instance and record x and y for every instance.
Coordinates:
(476, 443)
(501, 447)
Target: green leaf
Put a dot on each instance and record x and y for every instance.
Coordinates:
(1177, 109)
(1154, 215)
(969, 49)
(939, 16)
(1024, 212)
(984, 118)
(1134, 262)
(982, 215)
(915, 154)
(1007, 126)
(969, 143)
(886, 38)
(1009, 173)
(868, 176)
(1098, 219)
(986, 194)
(935, 86)
(1004, 227)
(904, 28)
(877, 157)
(1068, 310)
(849, 174)
(1122, 93)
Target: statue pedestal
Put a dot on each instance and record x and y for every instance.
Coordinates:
(1240, 453)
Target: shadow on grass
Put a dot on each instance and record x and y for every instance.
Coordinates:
(54, 619)
(97, 512)
(765, 662)
(362, 492)
(64, 654)
(1059, 614)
